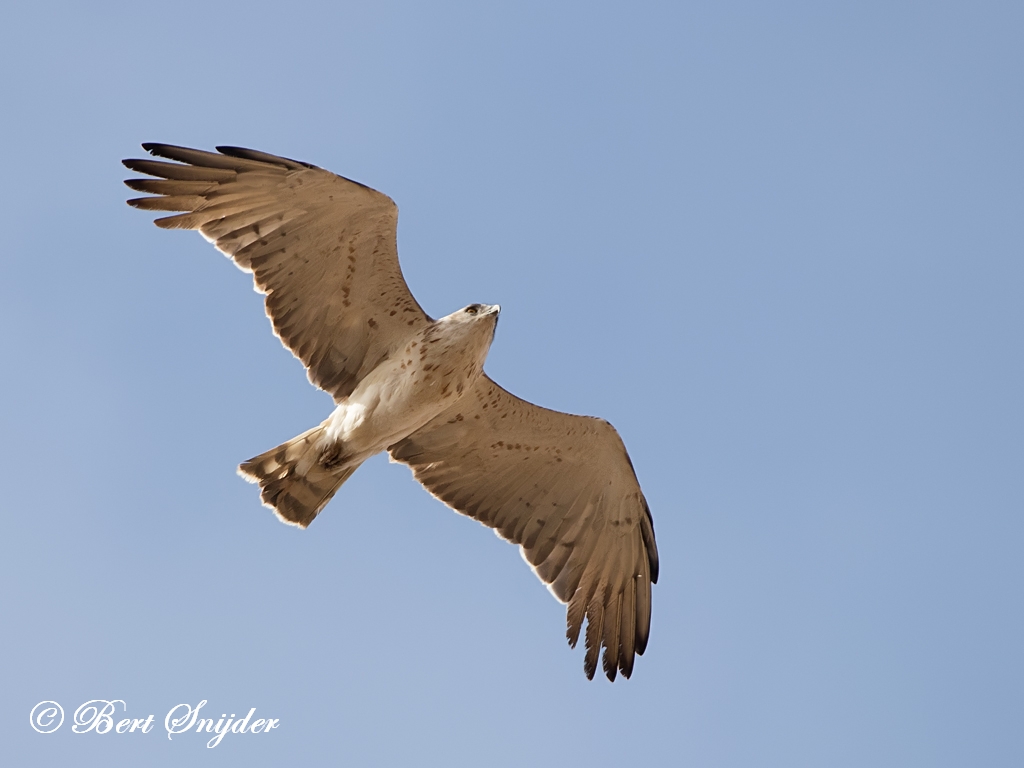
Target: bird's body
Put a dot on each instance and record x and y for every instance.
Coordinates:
(322, 248)
(425, 374)
(412, 386)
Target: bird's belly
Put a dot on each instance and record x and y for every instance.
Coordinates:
(393, 401)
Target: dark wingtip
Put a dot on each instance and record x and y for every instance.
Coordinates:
(137, 164)
(159, 149)
(263, 157)
(589, 670)
(232, 151)
(609, 666)
(647, 532)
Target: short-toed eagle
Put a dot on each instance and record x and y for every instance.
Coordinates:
(322, 248)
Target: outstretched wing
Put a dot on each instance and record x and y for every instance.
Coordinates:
(563, 488)
(321, 247)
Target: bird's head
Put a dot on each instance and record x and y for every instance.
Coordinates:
(475, 314)
(477, 320)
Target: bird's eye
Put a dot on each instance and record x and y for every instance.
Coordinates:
(471, 310)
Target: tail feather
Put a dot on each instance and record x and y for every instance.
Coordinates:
(294, 480)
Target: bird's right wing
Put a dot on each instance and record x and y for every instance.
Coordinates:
(321, 247)
(561, 487)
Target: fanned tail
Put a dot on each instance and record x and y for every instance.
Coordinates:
(295, 480)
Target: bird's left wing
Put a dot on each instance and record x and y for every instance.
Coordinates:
(563, 488)
(320, 246)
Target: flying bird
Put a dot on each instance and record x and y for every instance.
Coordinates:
(322, 248)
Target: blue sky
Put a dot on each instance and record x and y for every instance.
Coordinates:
(778, 246)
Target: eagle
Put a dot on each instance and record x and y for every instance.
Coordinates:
(323, 250)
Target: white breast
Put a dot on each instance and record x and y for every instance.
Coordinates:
(407, 390)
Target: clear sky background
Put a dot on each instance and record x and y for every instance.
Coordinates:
(778, 246)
